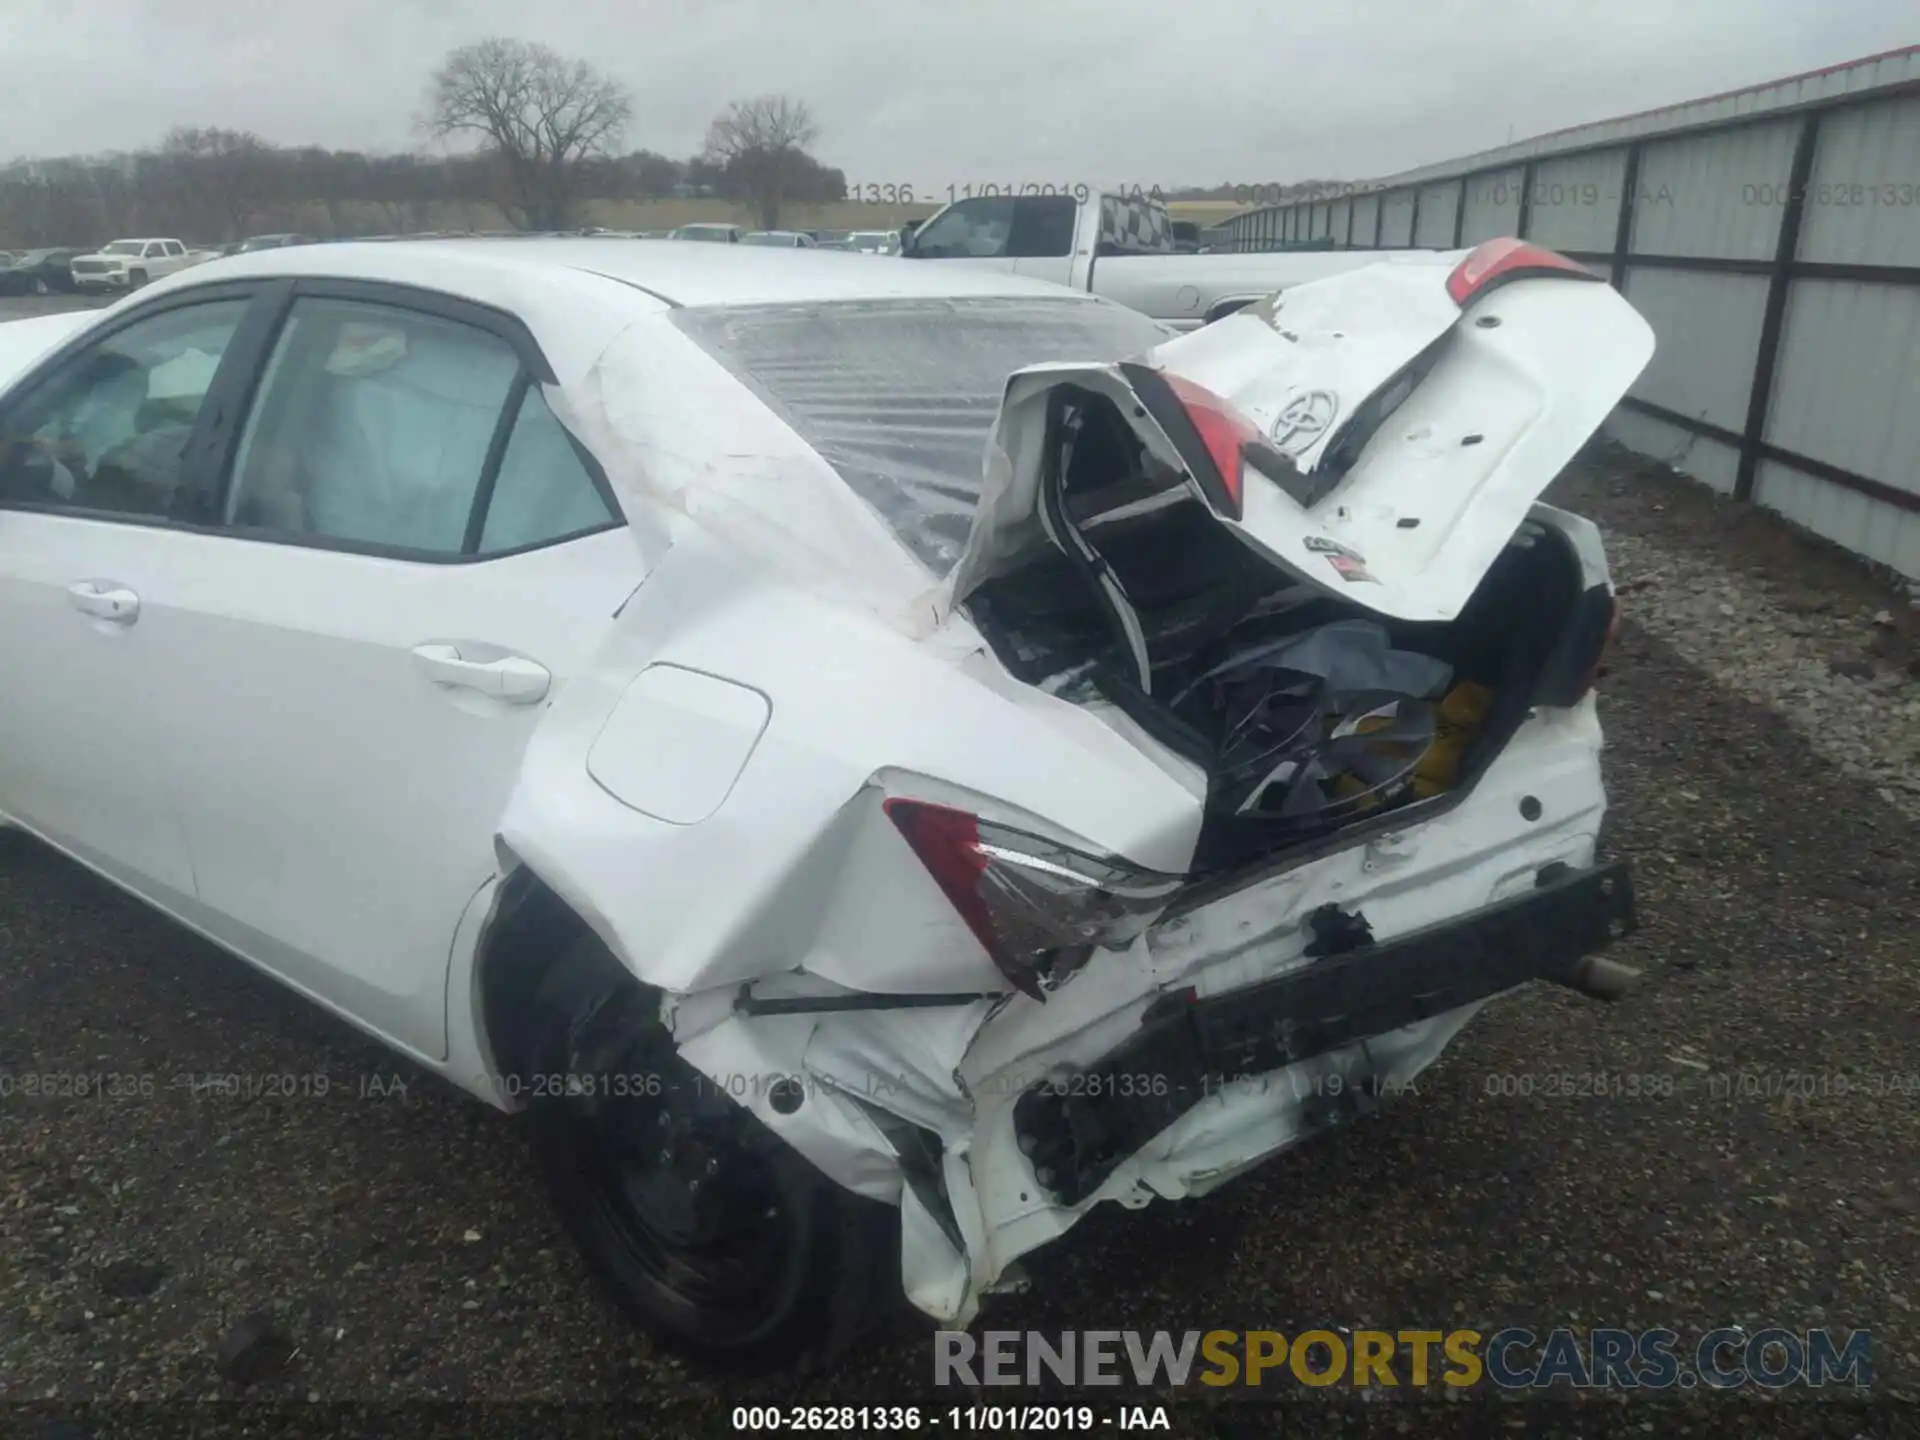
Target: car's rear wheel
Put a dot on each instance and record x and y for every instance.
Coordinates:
(705, 1226)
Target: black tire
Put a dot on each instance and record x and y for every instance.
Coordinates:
(703, 1225)
(136, 278)
(40, 286)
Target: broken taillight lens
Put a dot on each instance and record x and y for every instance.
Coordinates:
(1027, 899)
(1223, 430)
(1496, 262)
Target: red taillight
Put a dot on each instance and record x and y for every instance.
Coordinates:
(1026, 898)
(1223, 430)
(948, 844)
(1498, 261)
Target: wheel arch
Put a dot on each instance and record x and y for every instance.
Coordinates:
(529, 927)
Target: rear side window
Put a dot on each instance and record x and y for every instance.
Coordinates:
(900, 396)
(378, 427)
(544, 489)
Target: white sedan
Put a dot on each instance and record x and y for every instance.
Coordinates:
(878, 758)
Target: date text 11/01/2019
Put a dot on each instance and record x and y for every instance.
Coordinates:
(960, 1419)
(897, 194)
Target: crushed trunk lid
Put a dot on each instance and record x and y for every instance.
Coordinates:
(1389, 427)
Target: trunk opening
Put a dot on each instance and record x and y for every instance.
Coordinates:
(1146, 600)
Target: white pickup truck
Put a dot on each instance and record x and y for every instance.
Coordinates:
(129, 264)
(1118, 246)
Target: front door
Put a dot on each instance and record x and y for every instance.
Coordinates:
(97, 461)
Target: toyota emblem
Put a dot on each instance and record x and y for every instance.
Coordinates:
(1304, 419)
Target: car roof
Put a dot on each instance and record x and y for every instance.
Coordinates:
(681, 275)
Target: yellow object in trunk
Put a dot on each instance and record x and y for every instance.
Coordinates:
(1460, 716)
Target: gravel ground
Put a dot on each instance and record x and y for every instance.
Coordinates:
(386, 1243)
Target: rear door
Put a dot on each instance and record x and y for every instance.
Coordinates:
(411, 558)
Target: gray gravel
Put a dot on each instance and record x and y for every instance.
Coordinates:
(1769, 615)
(382, 1242)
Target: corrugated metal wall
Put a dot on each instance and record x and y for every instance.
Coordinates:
(1771, 238)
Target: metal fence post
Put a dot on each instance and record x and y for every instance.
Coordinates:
(1525, 217)
(1623, 226)
(1786, 247)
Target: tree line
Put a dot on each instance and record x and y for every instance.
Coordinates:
(530, 131)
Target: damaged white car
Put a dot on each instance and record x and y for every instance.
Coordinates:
(876, 758)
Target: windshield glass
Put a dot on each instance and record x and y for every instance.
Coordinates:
(768, 237)
(703, 232)
(125, 247)
(900, 396)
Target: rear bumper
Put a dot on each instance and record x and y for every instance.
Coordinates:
(1078, 1127)
(932, 1108)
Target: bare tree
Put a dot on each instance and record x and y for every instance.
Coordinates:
(760, 146)
(539, 112)
(215, 181)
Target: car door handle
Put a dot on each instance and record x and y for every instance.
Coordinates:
(104, 601)
(514, 679)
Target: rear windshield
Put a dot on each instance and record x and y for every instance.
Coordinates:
(900, 396)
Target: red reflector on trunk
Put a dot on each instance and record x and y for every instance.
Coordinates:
(1498, 261)
(1223, 430)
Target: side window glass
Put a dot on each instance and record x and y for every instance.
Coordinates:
(109, 431)
(372, 426)
(544, 490)
(1043, 227)
(978, 229)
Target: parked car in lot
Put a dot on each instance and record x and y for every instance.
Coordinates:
(38, 272)
(129, 264)
(603, 673)
(875, 242)
(713, 233)
(780, 239)
(1116, 245)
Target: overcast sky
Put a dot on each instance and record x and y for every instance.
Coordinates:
(937, 92)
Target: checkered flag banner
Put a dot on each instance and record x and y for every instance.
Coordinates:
(1134, 225)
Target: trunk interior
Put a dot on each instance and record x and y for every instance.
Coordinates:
(1301, 741)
